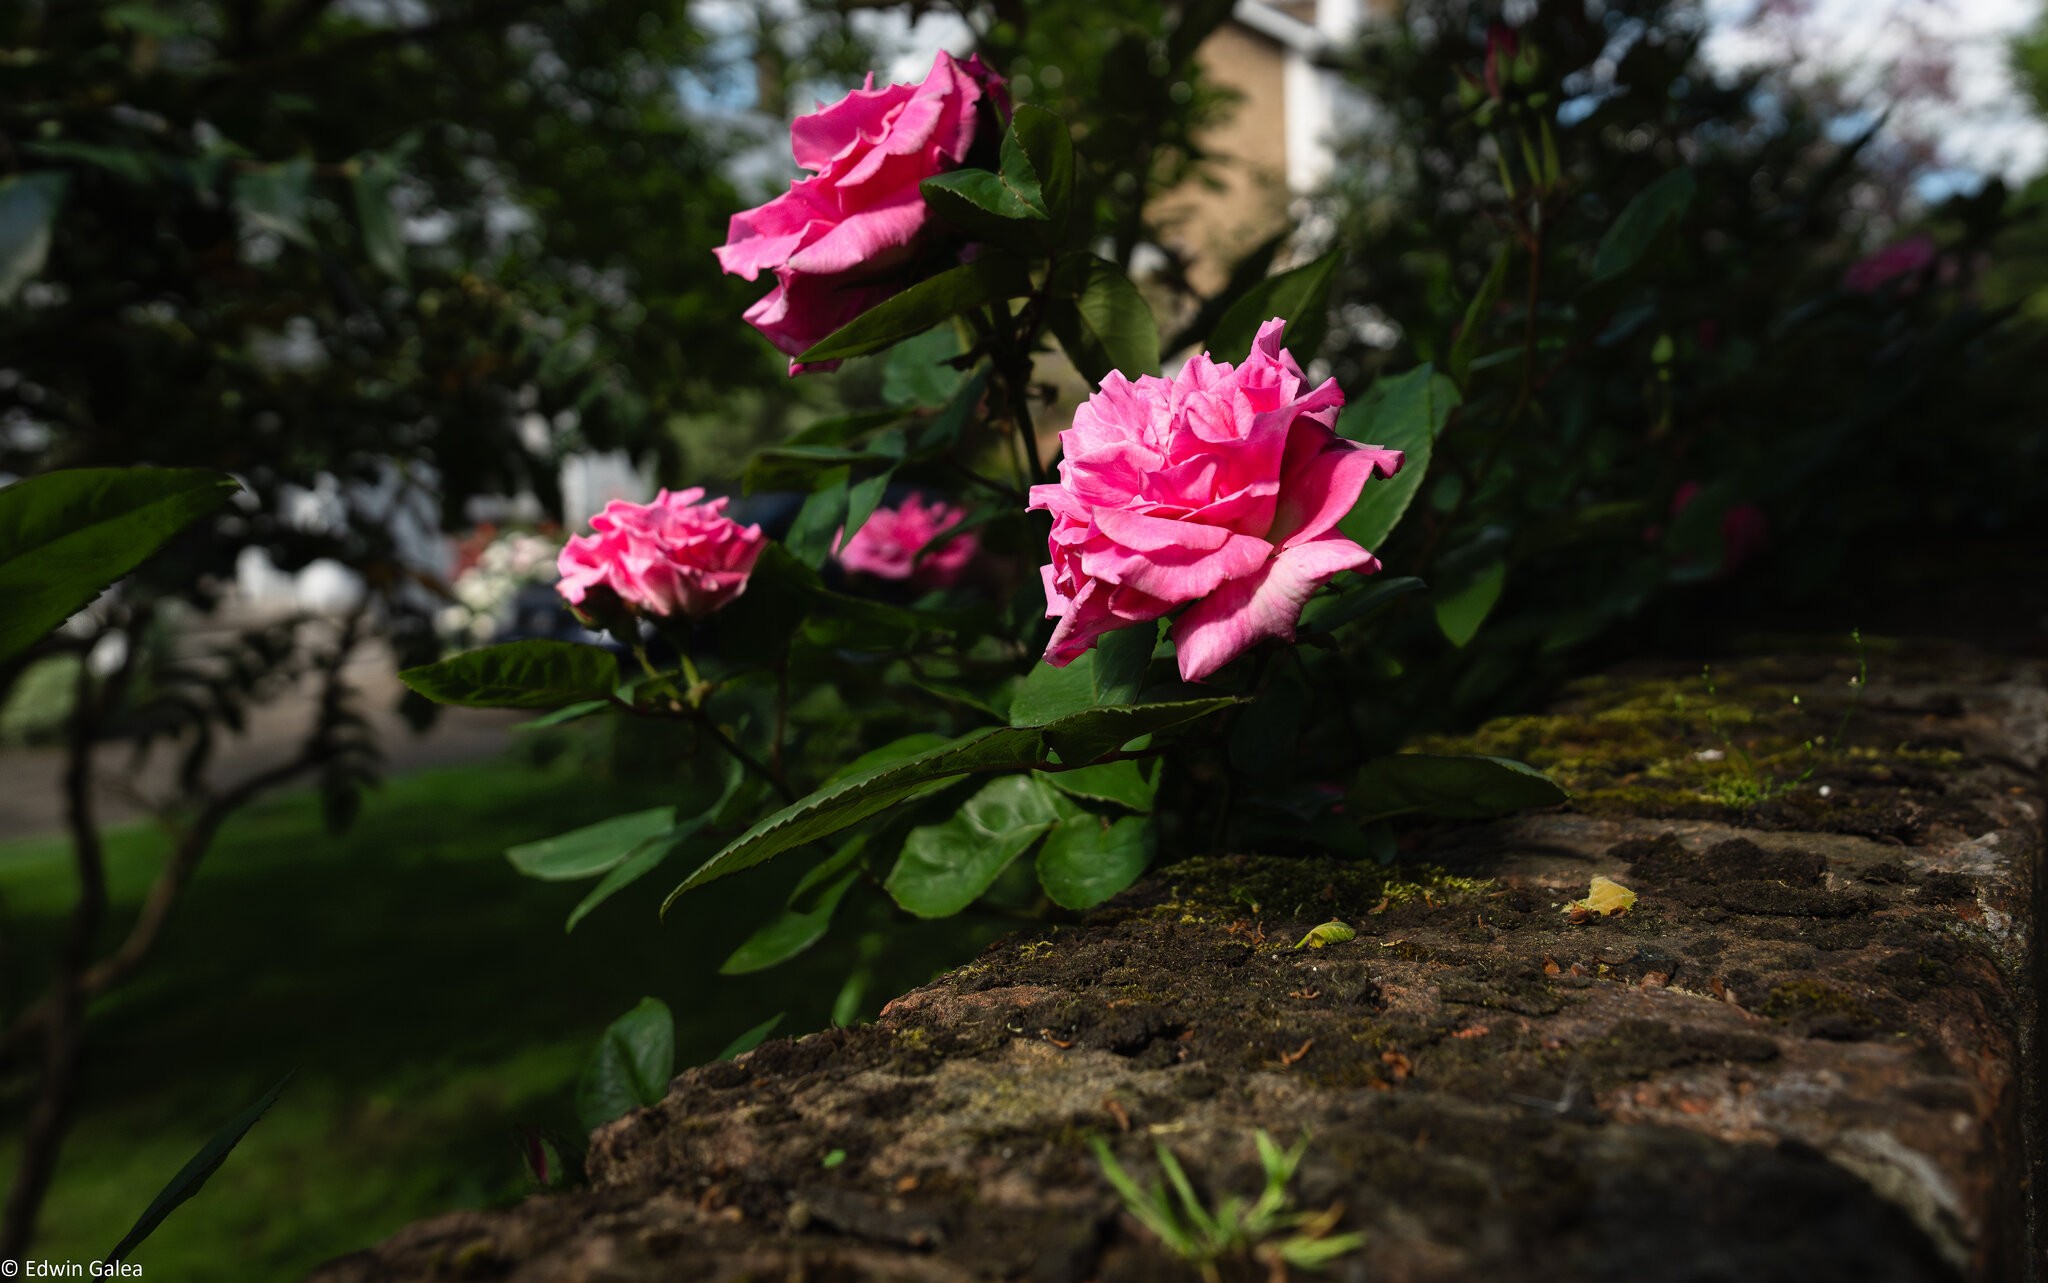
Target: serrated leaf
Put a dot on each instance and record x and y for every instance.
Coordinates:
(1330, 611)
(1127, 784)
(1300, 296)
(1636, 228)
(521, 674)
(195, 1173)
(1088, 858)
(855, 798)
(1121, 658)
(631, 1067)
(1047, 694)
(642, 860)
(1041, 141)
(1080, 738)
(65, 536)
(988, 279)
(1454, 787)
(1101, 320)
(945, 867)
(28, 217)
(592, 849)
(802, 924)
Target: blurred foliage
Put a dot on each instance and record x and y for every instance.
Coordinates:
(1724, 367)
(299, 239)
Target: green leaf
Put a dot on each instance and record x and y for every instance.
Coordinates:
(751, 1039)
(128, 164)
(566, 713)
(1080, 738)
(1089, 858)
(592, 849)
(276, 198)
(1477, 314)
(1265, 740)
(1041, 140)
(862, 500)
(1127, 784)
(195, 1173)
(897, 750)
(383, 243)
(521, 674)
(1403, 412)
(631, 1067)
(1121, 659)
(1299, 296)
(639, 862)
(1632, 234)
(1101, 320)
(804, 922)
(1047, 694)
(945, 867)
(65, 536)
(1461, 611)
(28, 214)
(916, 371)
(849, 801)
(1331, 611)
(1332, 932)
(1457, 788)
(818, 522)
(986, 280)
(1011, 196)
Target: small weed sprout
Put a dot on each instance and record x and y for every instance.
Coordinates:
(1745, 785)
(1268, 1229)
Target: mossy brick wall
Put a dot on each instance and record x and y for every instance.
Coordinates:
(1806, 1053)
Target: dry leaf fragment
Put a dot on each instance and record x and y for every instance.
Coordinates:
(1604, 898)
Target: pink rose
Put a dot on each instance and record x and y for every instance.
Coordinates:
(674, 556)
(887, 546)
(843, 240)
(1218, 490)
(1908, 257)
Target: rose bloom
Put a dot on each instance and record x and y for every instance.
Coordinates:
(1906, 258)
(887, 546)
(1218, 490)
(678, 555)
(842, 240)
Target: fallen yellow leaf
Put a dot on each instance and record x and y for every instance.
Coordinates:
(1604, 898)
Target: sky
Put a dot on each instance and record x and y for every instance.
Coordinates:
(1874, 45)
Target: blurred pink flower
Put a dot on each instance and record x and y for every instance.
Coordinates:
(674, 556)
(839, 242)
(887, 546)
(1218, 490)
(1745, 531)
(1906, 258)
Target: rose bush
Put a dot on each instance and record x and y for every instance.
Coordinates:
(846, 238)
(1217, 490)
(679, 555)
(888, 546)
(915, 752)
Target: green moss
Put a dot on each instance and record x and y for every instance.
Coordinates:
(1806, 1000)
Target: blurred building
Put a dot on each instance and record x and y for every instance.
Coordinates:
(1276, 145)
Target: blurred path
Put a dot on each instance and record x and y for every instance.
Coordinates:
(31, 794)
